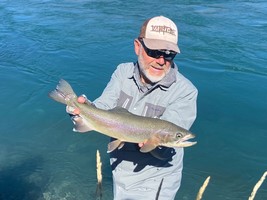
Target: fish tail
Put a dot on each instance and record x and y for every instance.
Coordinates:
(63, 92)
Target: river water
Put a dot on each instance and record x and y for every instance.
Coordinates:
(223, 52)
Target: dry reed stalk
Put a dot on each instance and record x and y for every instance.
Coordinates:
(99, 175)
(257, 186)
(202, 189)
(160, 185)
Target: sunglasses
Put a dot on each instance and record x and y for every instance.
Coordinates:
(166, 54)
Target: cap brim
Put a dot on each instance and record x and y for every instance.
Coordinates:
(161, 44)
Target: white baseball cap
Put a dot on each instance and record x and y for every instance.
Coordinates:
(160, 33)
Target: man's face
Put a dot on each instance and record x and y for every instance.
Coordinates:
(152, 69)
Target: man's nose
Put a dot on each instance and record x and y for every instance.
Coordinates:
(161, 60)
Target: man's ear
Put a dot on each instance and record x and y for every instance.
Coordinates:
(137, 46)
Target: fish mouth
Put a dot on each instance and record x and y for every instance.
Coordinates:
(184, 141)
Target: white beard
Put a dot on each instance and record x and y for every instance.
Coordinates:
(144, 72)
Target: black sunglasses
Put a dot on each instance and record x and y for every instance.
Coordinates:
(167, 55)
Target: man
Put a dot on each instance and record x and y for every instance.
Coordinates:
(151, 87)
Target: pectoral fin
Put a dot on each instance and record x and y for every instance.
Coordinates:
(149, 145)
(114, 145)
(147, 148)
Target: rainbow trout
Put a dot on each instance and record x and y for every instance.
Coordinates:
(120, 124)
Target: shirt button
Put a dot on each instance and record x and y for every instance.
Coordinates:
(134, 108)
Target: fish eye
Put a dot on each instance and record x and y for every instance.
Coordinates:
(178, 135)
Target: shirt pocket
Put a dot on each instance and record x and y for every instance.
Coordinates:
(154, 111)
(125, 100)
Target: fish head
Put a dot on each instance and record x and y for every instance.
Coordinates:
(179, 139)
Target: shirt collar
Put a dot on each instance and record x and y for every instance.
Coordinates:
(164, 84)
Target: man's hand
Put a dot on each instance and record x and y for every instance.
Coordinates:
(83, 99)
(76, 111)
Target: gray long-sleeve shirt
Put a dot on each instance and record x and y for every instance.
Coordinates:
(137, 175)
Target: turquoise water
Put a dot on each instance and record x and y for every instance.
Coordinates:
(224, 53)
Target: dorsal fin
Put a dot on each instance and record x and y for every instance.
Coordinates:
(120, 110)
